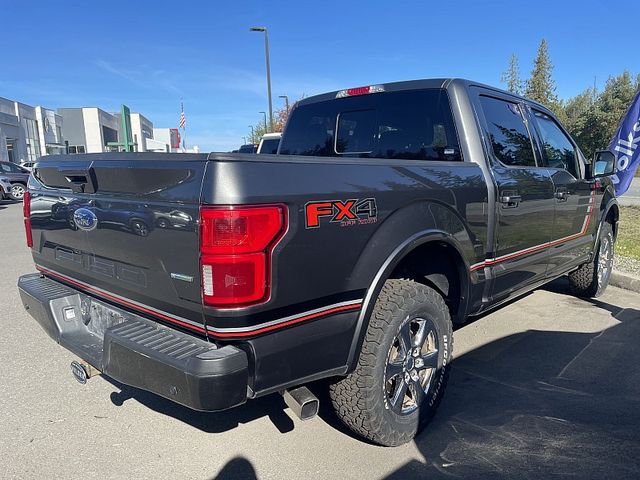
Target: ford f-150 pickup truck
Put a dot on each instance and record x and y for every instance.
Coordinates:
(389, 213)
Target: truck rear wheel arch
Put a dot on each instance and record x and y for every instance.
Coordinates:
(429, 257)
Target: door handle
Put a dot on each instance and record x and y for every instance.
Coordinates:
(510, 201)
(562, 195)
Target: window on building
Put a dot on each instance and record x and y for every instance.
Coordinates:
(32, 135)
(10, 147)
(109, 134)
(76, 149)
(508, 134)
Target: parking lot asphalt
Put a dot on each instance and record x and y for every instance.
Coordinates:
(631, 198)
(548, 386)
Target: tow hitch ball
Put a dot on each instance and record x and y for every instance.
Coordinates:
(82, 371)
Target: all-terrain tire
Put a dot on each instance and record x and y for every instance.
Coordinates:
(591, 279)
(361, 399)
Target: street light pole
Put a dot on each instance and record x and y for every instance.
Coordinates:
(253, 136)
(265, 122)
(266, 53)
(286, 102)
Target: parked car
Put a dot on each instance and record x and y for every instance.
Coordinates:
(391, 213)
(173, 219)
(269, 143)
(5, 188)
(134, 218)
(248, 148)
(18, 177)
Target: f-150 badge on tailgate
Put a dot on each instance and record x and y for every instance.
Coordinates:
(346, 213)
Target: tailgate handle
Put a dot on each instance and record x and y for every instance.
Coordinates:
(82, 181)
(76, 178)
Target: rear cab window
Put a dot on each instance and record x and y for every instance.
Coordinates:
(507, 132)
(270, 146)
(411, 125)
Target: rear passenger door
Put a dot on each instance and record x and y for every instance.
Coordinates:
(525, 197)
(571, 240)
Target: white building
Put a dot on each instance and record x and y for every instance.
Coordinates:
(50, 131)
(88, 129)
(141, 131)
(28, 132)
(169, 136)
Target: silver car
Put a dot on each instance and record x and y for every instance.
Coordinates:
(5, 188)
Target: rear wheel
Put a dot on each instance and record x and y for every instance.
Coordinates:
(403, 366)
(139, 228)
(591, 279)
(17, 191)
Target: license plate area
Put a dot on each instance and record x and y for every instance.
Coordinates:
(99, 316)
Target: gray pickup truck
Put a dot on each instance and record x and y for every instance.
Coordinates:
(389, 213)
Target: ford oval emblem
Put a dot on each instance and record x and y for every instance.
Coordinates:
(85, 219)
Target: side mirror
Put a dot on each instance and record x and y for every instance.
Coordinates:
(603, 164)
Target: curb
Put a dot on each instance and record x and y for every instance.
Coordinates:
(624, 280)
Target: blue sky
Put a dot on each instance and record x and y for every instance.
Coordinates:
(150, 54)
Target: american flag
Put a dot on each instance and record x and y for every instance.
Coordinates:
(183, 120)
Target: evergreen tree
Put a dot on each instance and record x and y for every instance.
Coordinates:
(512, 76)
(610, 107)
(541, 87)
(593, 117)
(577, 113)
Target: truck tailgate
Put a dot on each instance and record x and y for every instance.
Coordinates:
(124, 228)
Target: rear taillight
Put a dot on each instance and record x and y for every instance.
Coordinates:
(26, 213)
(235, 252)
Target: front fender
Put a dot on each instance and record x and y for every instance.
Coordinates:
(609, 202)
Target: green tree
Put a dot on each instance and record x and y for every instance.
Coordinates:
(577, 114)
(512, 76)
(602, 121)
(280, 119)
(541, 87)
(259, 129)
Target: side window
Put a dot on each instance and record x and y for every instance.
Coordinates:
(508, 133)
(5, 168)
(557, 149)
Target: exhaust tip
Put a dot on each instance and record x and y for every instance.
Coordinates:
(302, 402)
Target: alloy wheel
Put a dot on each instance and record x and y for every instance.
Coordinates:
(17, 191)
(411, 365)
(605, 260)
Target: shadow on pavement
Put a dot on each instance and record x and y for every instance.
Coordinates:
(237, 468)
(271, 406)
(537, 404)
(540, 404)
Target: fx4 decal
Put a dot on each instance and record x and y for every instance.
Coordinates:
(346, 213)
